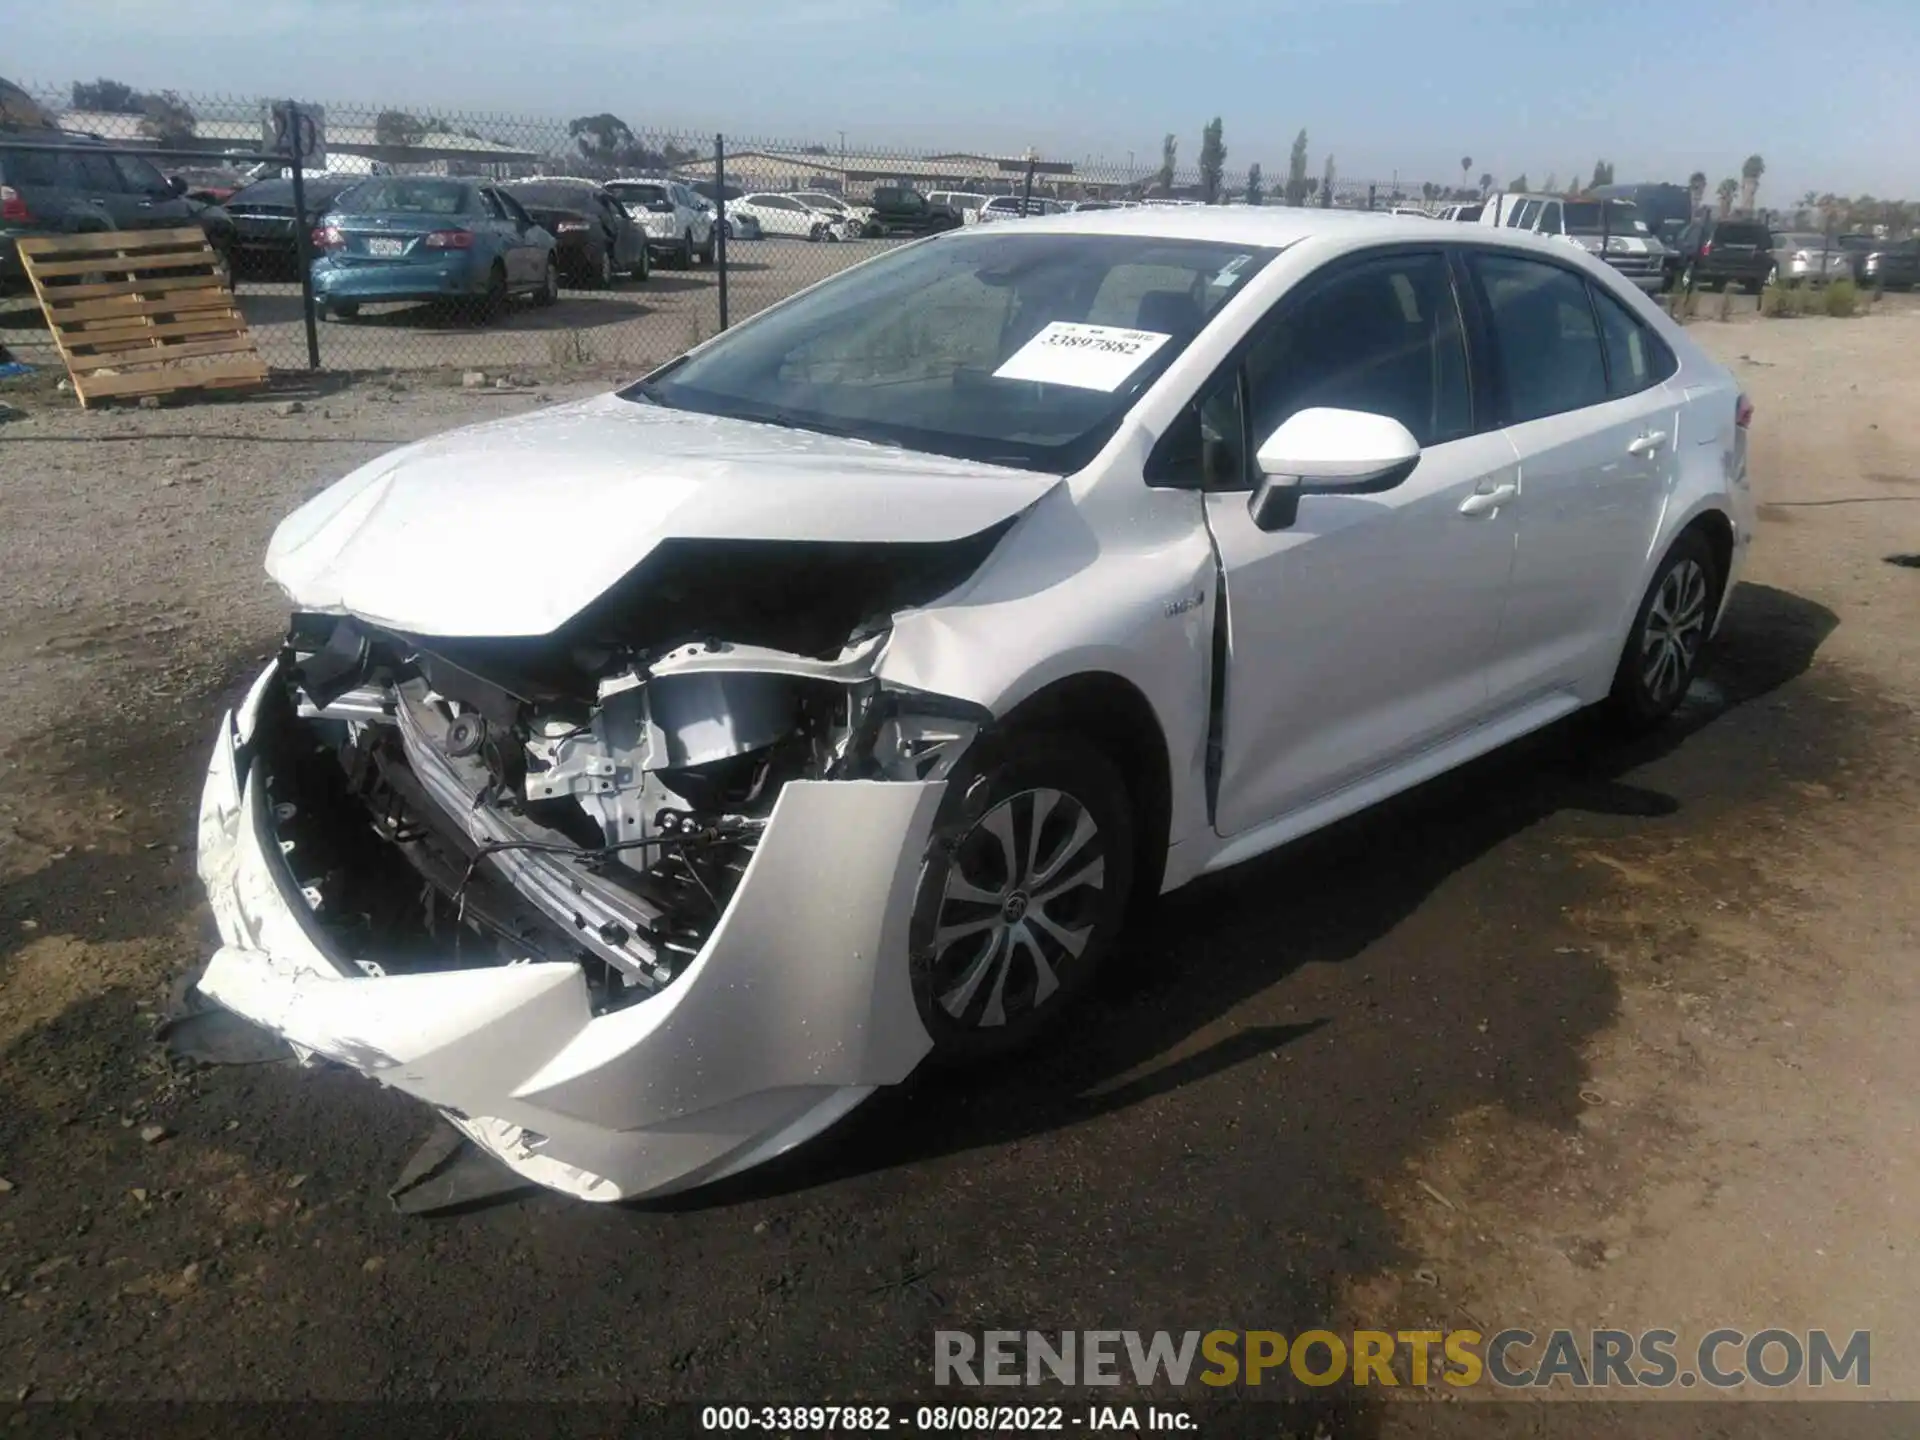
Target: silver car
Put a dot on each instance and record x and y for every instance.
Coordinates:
(1805, 257)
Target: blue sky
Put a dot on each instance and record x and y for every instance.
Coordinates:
(1824, 92)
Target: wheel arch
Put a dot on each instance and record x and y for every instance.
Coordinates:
(1116, 716)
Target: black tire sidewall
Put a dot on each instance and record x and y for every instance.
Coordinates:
(1629, 701)
(981, 781)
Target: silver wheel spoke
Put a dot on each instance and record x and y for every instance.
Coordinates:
(947, 934)
(1094, 873)
(1083, 830)
(1043, 803)
(1045, 982)
(996, 1011)
(999, 824)
(961, 888)
(990, 958)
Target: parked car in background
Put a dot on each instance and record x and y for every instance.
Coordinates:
(788, 216)
(1012, 207)
(209, 184)
(1609, 229)
(964, 203)
(853, 217)
(595, 239)
(338, 163)
(912, 644)
(1858, 246)
(1806, 257)
(903, 210)
(1466, 211)
(1715, 253)
(82, 186)
(1894, 266)
(678, 226)
(720, 210)
(1667, 208)
(265, 241)
(408, 237)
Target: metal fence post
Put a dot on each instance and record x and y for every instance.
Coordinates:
(1370, 194)
(1606, 228)
(720, 199)
(303, 241)
(1026, 198)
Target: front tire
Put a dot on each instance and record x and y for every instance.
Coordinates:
(1023, 894)
(1669, 630)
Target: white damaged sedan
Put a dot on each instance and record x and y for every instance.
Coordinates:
(645, 781)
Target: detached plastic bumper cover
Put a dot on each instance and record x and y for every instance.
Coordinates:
(799, 1006)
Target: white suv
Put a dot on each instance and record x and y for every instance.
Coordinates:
(901, 659)
(679, 226)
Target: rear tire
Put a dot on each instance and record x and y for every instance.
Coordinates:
(1023, 893)
(706, 250)
(1669, 631)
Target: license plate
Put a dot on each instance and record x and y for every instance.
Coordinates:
(386, 247)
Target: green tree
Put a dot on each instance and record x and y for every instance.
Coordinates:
(603, 139)
(1519, 186)
(1697, 190)
(1729, 188)
(110, 97)
(1552, 184)
(1169, 156)
(1256, 193)
(1213, 159)
(1326, 181)
(167, 118)
(1750, 174)
(1602, 174)
(1466, 166)
(1486, 183)
(1297, 171)
(398, 127)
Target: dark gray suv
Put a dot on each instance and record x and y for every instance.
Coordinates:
(83, 187)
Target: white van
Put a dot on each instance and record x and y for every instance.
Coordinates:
(1611, 229)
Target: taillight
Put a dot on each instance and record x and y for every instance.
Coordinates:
(1743, 412)
(1706, 247)
(327, 237)
(449, 240)
(12, 207)
(1801, 257)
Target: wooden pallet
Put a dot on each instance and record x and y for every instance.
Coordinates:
(142, 312)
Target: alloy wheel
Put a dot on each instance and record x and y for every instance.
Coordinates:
(1019, 903)
(1676, 624)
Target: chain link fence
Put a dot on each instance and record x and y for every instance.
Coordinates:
(493, 242)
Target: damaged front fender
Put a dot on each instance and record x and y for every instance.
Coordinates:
(798, 1005)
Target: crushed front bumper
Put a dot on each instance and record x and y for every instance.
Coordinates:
(797, 1008)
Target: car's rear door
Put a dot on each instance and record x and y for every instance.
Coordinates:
(1359, 634)
(1578, 381)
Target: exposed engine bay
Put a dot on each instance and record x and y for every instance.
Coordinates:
(595, 796)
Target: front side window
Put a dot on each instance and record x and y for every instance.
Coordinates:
(1018, 349)
(1546, 345)
(139, 176)
(97, 173)
(1383, 337)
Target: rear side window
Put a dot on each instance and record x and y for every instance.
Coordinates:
(96, 173)
(1546, 345)
(1637, 359)
(1740, 233)
(32, 167)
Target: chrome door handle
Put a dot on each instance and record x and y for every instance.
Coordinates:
(1648, 443)
(1482, 502)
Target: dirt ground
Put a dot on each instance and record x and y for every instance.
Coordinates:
(1580, 1036)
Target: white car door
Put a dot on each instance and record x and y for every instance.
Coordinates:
(1596, 462)
(1360, 633)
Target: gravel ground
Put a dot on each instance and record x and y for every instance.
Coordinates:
(1579, 1035)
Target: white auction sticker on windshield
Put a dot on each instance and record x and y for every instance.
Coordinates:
(1089, 357)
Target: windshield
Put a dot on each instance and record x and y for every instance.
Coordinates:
(821, 202)
(1799, 240)
(409, 197)
(654, 197)
(1016, 349)
(1594, 217)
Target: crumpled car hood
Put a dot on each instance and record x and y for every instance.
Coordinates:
(512, 527)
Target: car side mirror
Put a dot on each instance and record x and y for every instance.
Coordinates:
(176, 185)
(1325, 451)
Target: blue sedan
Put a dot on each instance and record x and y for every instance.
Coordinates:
(410, 237)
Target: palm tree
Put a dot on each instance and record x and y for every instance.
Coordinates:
(1697, 190)
(1486, 183)
(1728, 189)
(1466, 164)
(1750, 174)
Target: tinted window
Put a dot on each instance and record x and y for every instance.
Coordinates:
(576, 197)
(32, 167)
(1738, 232)
(1546, 347)
(516, 212)
(1383, 337)
(1550, 218)
(491, 204)
(139, 175)
(1636, 358)
(96, 172)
